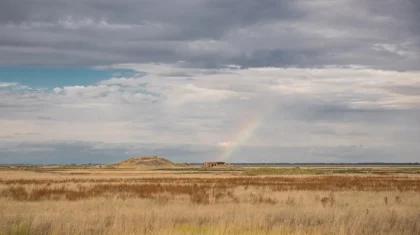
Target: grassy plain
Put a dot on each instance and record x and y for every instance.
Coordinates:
(246, 200)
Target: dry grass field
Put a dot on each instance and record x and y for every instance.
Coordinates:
(106, 201)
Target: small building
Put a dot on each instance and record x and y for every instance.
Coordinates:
(212, 164)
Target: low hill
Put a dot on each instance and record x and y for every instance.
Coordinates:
(147, 161)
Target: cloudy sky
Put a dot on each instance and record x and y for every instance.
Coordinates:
(235, 80)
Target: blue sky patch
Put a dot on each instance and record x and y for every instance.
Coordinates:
(59, 77)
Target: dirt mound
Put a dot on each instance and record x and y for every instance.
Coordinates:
(146, 161)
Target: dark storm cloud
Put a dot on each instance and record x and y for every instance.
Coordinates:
(205, 13)
(210, 33)
(407, 11)
(13, 11)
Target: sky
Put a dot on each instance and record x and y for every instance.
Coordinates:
(98, 81)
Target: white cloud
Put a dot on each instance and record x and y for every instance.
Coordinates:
(191, 93)
(396, 49)
(227, 144)
(8, 84)
(57, 90)
(123, 81)
(293, 107)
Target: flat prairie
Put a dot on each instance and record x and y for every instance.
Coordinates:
(250, 200)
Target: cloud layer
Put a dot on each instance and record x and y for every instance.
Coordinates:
(244, 81)
(377, 34)
(293, 114)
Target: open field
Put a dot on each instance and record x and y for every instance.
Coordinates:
(247, 201)
(270, 169)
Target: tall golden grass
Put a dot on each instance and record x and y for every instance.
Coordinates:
(326, 204)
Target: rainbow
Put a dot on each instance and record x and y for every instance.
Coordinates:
(245, 132)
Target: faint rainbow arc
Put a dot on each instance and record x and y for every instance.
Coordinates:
(245, 132)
